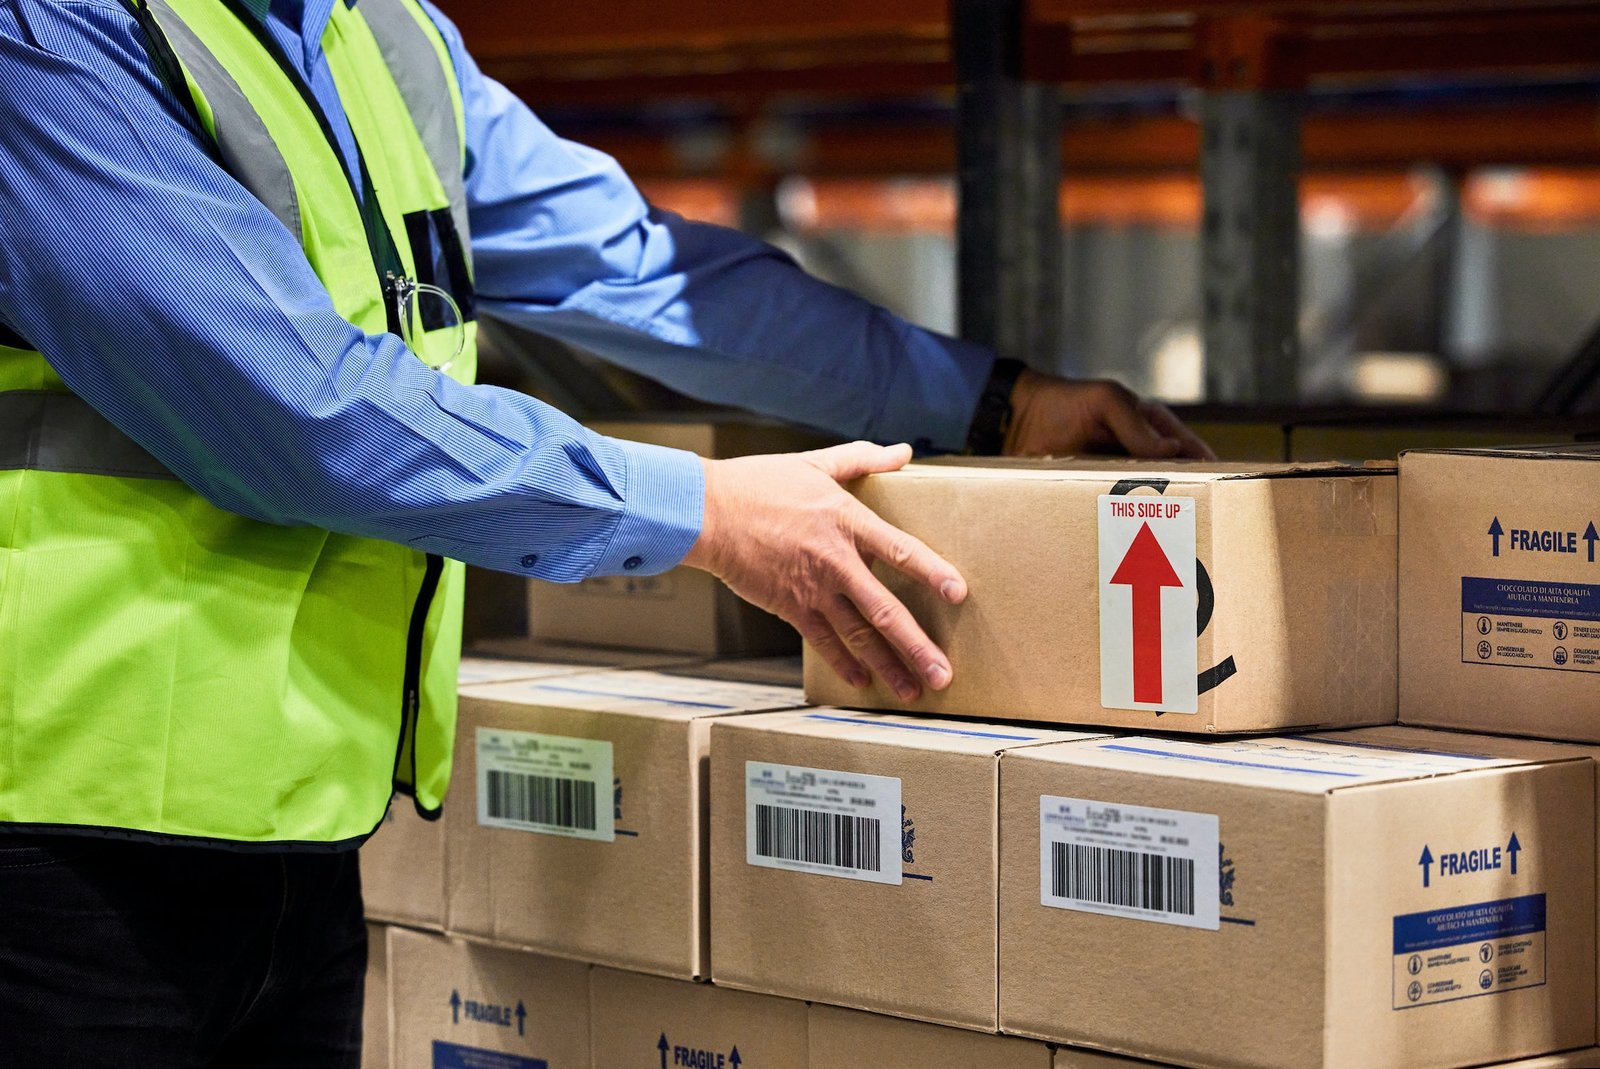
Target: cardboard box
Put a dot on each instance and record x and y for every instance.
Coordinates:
(842, 1038)
(1073, 1058)
(853, 859)
(645, 1021)
(403, 864)
(1088, 584)
(1381, 897)
(1358, 438)
(527, 648)
(583, 824)
(683, 610)
(375, 1006)
(1500, 590)
(461, 1006)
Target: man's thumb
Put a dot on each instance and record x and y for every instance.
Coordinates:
(855, 459)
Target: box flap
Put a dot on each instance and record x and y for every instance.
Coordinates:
(1098, 469)
(1309, 764)
(913, 732)
(1551, 451)
(653, 694)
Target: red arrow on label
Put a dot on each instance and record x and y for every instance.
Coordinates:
(1146, 570)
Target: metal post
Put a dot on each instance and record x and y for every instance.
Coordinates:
(1008, 232)
(1250, 237)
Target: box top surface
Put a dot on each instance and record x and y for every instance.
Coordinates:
(1306, 764)
(477, 670)
(650, 694)
(907, 730)
(1088, 469)
(1552, 451)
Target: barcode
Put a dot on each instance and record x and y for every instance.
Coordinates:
(834, 839)
(561, 803)
(1122, 878)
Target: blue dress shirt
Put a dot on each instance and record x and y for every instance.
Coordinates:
(180, 308)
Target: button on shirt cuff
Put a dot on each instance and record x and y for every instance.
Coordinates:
(665, 504)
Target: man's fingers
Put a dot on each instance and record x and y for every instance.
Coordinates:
(869, 645)
(855, 459)
(890, 619)
(1122, 415)
(1162, 419)
(824, 638)
(878, 540)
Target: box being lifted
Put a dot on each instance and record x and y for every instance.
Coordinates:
(1228, 598)
(1500, 590)
(1381, 897)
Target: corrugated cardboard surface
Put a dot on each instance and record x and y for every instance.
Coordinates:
(636, 902)
(453, 1001)
(644, 1022)
(772, 671)
(1322, 837)
(925, 948)
(1301, 564)
(375, 1008)
(403, 864)
(841, 1038)
(682, 610)
(1452, 673)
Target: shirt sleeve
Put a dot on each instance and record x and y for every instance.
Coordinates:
(566, 246)
(175, 304)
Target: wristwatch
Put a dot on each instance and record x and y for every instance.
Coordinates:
(992, 419)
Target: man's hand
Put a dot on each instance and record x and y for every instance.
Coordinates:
(782, 533)
(1060, 417)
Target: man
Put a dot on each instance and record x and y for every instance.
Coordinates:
(244, 245)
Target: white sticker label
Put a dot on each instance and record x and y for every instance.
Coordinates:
(545, 783)
(1129, 861)
(821, 821)
(1148, 601)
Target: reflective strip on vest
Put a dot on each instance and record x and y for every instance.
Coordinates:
(423, 83)
(45, 431)
(249, 152)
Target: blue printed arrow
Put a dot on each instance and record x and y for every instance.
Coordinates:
(1495, 531)
(661, 1045)
(734, 1059)
(455, 1007)
(1590, 535)
(522, 1015)
(1514, 849)
(1426, 861)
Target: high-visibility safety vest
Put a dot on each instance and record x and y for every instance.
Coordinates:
(171, 670)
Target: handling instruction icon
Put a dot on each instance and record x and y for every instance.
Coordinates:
(1483, 625)
(1560, 630)
(1484, 649)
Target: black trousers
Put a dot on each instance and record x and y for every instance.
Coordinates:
(117, 955)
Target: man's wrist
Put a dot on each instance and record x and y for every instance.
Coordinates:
(992, 419)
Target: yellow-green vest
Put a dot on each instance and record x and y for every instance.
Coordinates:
(171, 670)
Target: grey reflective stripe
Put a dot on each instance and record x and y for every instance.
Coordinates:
(247, 149)
(426, 88)
(43, 431)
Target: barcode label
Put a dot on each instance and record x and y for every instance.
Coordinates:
(545, 783)
(1122, 878)
(823, 821)
(1129, 861)
(566, 803)
(819, 838)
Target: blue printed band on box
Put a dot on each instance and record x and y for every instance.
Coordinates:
(1468, 924)
(1467, 951)
(455, 1056)
(1530, 597)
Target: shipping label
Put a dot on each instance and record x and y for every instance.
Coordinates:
(1129, 861)
(1148, 602)
(1457, 952)
(552, 784)
(1530, 623)
(823, 821)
